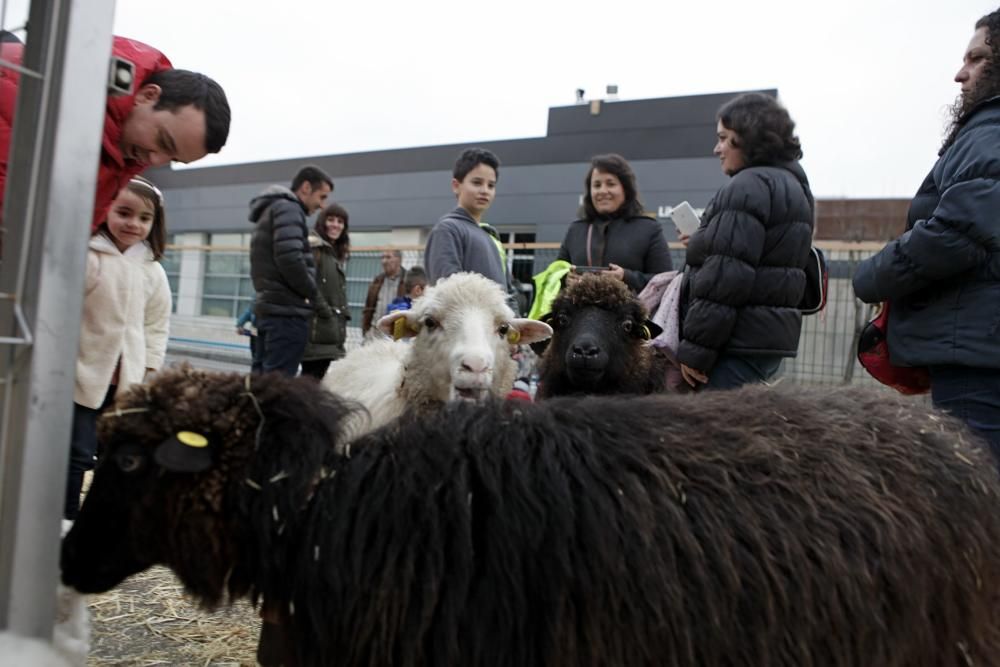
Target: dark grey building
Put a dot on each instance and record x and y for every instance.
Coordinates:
(395, 196)
(668, 141)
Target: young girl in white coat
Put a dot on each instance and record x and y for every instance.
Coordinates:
(126, 315)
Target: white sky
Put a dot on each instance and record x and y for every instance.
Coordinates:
(867, 81)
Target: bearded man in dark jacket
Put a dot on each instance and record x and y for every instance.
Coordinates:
(282, 267)
(746, 262)
(943, 274)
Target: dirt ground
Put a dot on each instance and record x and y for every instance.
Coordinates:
(148, 621)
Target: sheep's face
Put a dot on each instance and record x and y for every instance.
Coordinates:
(107, 543)
(600, 335)
(463, 333)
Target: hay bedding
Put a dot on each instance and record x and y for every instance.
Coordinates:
(148, 620)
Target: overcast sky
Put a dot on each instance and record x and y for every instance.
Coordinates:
(867, 81)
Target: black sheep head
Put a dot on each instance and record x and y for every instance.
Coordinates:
(600, 339)
(175, 483)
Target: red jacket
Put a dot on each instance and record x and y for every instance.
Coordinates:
(114, 170)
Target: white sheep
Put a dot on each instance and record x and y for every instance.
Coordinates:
(462, 332)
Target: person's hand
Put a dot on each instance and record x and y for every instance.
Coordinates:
(693, 376)
(616, 271)
(683, 239)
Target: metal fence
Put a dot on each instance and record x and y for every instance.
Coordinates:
(826, 351)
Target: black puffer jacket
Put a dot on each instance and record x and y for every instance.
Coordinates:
(746, 268)
(943, 274)
(635, 244)
(281, 264)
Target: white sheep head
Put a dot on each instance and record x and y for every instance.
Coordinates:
(463, 332)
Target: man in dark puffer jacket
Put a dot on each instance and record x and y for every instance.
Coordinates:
(943, 274)
(282, 267)
(746, 262)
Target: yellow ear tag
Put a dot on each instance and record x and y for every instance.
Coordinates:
(513, 335)
(192, 439)
(646, 333)
(399, 328)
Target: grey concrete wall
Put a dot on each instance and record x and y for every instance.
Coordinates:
(543, 198)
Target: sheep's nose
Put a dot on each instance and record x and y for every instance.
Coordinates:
(475, 364)
(586, 349)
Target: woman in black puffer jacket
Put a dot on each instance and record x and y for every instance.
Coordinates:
(331, 246)
(746, 262)
(614, 232)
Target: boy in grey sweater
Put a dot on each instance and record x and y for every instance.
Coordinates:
(460, 241)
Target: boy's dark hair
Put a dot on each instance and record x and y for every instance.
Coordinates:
(312, 175)
(342, 246)
(765, 131)
(470, 158)
(414, 276)
(181, 88)
(616, 165)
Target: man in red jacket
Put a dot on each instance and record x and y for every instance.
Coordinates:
(172, 115)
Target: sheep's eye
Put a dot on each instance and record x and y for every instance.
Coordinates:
(503, 329)
(562, 319)
(430, 323)
(128, 462)
(628, 326)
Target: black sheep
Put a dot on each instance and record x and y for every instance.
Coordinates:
(752, 527)
(600, 343)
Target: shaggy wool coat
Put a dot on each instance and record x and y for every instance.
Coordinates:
(746, 268)
(125, 321)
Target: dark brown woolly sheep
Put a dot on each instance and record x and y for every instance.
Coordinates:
(600, 343)
(752, 527)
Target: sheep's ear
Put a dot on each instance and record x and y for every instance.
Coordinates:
(398, 324)
(650, 330)
(531, 331)
(185, 451)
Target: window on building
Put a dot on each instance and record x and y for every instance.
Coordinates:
(171, 263)
(520, 261)
(226, 288)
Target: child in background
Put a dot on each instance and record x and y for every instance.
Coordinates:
(249, 317)
(126, 316)
(414, 285)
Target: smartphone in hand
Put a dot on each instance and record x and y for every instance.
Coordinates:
(685, 219)
(590, 269)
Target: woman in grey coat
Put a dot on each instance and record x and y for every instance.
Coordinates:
(331, 245)
(614, 232)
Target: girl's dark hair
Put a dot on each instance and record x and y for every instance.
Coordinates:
(342, 246)
(765, 132)
(148, 192)
(617, 166)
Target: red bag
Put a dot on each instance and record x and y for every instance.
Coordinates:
(873, 353)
